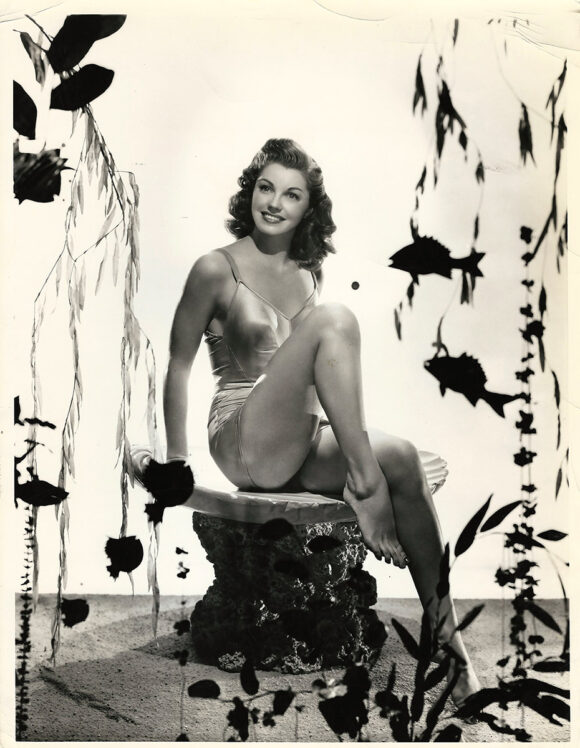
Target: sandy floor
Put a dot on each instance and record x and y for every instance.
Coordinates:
(113, 683)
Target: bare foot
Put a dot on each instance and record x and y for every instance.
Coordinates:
(467, 683)
(467, 680)
(374, 513)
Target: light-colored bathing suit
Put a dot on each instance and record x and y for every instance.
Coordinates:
(253, 331)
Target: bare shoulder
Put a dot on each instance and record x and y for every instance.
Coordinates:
(208, 272)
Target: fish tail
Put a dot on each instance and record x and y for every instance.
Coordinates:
(470, 264)
(497, 401)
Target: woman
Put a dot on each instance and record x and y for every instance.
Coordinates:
(277, 353)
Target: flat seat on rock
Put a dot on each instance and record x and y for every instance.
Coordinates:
(302, 508)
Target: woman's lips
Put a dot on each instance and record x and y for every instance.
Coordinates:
(270, 218)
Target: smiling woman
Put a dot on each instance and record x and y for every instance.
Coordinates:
(277, 355)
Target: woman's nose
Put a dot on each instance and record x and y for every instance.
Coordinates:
(274, 202)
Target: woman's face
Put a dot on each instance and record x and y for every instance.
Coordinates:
(280, 199)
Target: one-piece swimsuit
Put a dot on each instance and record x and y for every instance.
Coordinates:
(253, 330)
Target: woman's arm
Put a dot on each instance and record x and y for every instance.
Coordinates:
(192, 316)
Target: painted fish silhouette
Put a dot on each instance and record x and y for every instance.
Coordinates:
(465, 375)
(426, 255)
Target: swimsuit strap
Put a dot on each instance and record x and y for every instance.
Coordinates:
(232, 264)
(314, 279)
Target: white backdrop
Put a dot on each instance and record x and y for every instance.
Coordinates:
(196, 92)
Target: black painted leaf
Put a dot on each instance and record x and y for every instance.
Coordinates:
(204, 689)
(248, 679)
(322, 543)
(376, 634)
(543, 616)
(37, 175)
(455, 30)
(24, 112)
(503, 662)
(524, 457)
(552, 666)
(525, 134)
(292, 568)
(397, 324)
(408, 641)
(558, 481)
(125, 554)
(498, 516)
(469, 532)
(529, 488)
(470, 617)
(39, 422)
(37, 55)
(282, 700)
(450, 734)
(421, 183)
(526, 234)
(552, 535)
(442, 588)
(437, 674)
(479, 173)
(560, 144)
(81, 88)
(542, 302)
(76, 37)
(420, 95)
(276, 529)
(73, 611)
(463, 139)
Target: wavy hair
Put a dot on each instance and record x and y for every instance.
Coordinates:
(311, 241)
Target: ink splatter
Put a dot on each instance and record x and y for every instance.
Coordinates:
(73, 611)
(125, 554)
(355, 285)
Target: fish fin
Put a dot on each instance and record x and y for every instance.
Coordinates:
(472, 397)
(497, 401)
(441, 388)
(415, 278)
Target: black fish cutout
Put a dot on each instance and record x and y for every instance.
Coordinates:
(427, 255)
(465, 375)
(36, 492)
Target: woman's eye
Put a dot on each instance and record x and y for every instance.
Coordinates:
(294, 196)
(263, 187)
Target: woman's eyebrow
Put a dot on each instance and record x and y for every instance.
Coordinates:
(265, 179)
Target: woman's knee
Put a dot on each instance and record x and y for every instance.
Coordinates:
(334, 318)
(401, 463)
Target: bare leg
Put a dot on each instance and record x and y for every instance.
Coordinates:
(323, 351)
(277, 427)
(417, 527)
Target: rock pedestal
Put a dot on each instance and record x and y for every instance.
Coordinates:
(290, 598)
